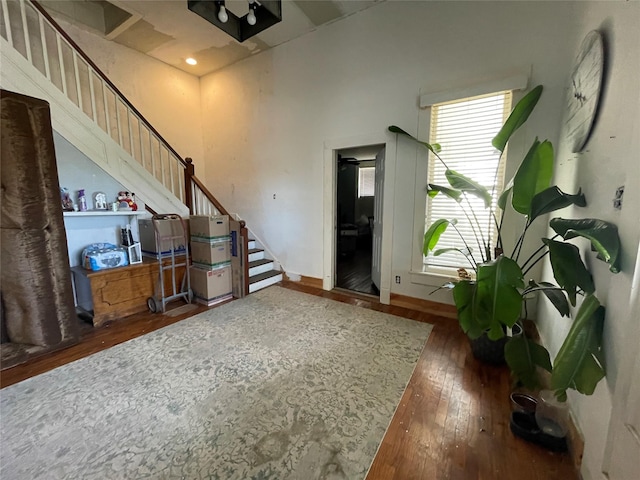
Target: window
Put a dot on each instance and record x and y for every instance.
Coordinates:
(464, 129)
(366, 181)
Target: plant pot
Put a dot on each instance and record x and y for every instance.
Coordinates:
(491, 351)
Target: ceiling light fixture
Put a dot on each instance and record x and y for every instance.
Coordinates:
(269, 12)
(191, 61)
(222, 12)
(251, 16)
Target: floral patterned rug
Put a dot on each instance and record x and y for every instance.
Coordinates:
(279, 385)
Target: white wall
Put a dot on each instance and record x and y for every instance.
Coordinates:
(268, 118)
(609, 161)
(167, 97)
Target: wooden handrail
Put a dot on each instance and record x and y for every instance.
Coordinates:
(189, 176)
(86, 58)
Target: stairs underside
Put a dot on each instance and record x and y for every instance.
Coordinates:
(18, 75)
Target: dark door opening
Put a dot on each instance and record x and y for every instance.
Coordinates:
(355, 216)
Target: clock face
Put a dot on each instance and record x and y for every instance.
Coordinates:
(584, 90)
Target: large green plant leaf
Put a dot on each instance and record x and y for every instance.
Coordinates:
(602, 235)
(433, 190)
(504, 196)
(498, 295)
(580, 361)
(518, 116)
(472, 322)
(465, 184)
(553, 199)
(555, 294)
(442, 251)
(432, 235)
(533, 176)
(568, 269)
(523, 357)
(435, 148)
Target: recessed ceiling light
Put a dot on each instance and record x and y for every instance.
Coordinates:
(191, 61)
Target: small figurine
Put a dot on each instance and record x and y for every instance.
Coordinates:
(65, 197)
(127, 201)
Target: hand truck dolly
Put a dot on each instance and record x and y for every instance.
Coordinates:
(177, 236)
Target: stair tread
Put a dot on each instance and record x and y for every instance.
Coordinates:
(255, 250)
(264, 276)
(257, 263)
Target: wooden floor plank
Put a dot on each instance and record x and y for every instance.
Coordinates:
(452, 421)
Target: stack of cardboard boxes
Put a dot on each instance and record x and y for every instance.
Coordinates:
(211, 258)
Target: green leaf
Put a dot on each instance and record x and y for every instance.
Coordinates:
(568, 269)
(432, 235)
(580, 361)
(433, 190)
(554, 293)
(497, 294)
(602, 235)
(442, 251)
(434, 148)
(470, 321)
(504, 196)
(465, 184)
(518, 116)
(533, 176)
(523, 357)
(553, 199)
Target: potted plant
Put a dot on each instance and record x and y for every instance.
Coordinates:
(492, 299)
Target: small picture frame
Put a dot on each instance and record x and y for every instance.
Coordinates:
(135, 253)
(99, 201)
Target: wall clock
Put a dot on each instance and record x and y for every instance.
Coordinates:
(584, 90)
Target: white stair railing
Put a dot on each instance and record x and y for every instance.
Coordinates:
(32, 32)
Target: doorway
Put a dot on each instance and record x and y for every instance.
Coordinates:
(359, 177)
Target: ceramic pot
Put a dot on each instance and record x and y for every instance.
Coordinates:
(492, 351)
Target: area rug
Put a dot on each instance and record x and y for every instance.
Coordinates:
(278, 385)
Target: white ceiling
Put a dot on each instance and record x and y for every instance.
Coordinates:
(167, 31)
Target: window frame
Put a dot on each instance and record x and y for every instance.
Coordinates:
(430, 94)
(451, 262)
(373, 181)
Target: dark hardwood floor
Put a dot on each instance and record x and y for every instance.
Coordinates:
(353, 270)
(452, 421)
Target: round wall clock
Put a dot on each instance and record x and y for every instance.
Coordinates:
(584, 90)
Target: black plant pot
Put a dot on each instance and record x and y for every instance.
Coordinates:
(491, 351)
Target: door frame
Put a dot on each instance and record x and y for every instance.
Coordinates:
(330, 221)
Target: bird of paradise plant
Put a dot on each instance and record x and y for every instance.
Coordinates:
(494, 299)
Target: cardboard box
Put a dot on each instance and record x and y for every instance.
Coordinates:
(211, 285)
(209, 227)
(170, 230)
(211, 254)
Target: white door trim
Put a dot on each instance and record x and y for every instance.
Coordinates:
(329, 206)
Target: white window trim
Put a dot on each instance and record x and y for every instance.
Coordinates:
(427, 98)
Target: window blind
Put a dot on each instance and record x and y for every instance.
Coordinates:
(366, 181)
(464, 129)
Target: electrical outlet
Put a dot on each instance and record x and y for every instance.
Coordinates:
(397, 278)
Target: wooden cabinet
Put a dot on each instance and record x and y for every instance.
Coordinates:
(122, 291)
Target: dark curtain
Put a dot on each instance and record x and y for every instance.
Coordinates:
(38, 312)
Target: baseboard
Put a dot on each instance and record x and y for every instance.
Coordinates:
(304, 280)
(440, 309)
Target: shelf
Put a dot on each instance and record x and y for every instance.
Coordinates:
(104, 213)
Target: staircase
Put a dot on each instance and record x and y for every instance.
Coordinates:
(39, 59)
(262, 271)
